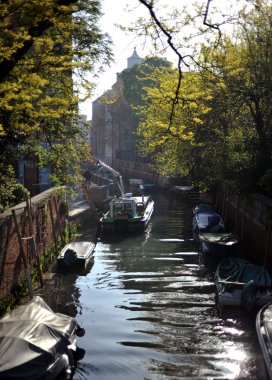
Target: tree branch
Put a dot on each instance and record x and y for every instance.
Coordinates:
(205, 22)
(6, 65)
(181, 60)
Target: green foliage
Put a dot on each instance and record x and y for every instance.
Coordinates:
(46, 48)
(63, 209)
(243, 64)
(67, 150)
(19, 193)
(12, 299)
(11, 192)
(138, 77)
(49, 255)
(170, 144)
(8, 303)
(218, 126)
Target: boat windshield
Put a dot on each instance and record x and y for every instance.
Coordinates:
(209, 219)
(127, 207)
(118, 206)
(140, 208)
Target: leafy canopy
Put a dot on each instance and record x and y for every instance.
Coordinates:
(46, 49)
(212, 120)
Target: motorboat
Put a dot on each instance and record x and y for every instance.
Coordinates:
(147, 187)
(36, 343)
(207, 221)
(128, 213)
(136, 181)
(220, 244)
(202, 206)
(264, 333)
(213, 247)
(77, 254)
(241, 283)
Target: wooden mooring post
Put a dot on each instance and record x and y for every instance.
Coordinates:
(53, 226)
(90, 201)
(33, 240)
(22, 251)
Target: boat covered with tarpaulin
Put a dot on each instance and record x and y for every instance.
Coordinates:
(36, 343)
(239, 282)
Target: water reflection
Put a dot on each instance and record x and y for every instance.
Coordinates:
(148, 308)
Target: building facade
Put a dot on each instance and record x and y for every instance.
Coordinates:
(113, 127)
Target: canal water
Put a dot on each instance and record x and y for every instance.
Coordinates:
(148, 307)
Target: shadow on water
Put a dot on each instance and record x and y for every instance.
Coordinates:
(148, 308)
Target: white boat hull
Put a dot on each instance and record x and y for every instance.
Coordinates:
(78, 253)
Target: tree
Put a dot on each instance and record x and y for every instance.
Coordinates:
(46, 49)
(139, 77)
(244, 64)
(171, 145)
(228, 134)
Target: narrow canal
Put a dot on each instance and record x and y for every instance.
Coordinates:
(149, 310)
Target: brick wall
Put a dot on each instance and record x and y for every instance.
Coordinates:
(48, 221)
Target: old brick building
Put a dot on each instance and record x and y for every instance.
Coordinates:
(112, 131)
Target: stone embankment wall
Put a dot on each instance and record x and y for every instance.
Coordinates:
(38, 230)
(251, 218)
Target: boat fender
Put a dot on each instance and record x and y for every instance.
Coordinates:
(248, 296)
(79, 354)
(80, 331)
(70, 257)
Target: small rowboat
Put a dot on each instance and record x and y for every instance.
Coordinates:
(207, 221)
(76, 254)
(241, 283)
(221, 244)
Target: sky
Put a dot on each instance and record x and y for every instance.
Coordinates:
(125, 12)
(123, 45)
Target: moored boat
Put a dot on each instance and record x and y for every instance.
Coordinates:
(241, 283)
(264, 333)
(136, 181)
(36, 343)
(147, 187)
(77, 254)
(221, 244)
(207, 221)
(128, 213)
(202, 206)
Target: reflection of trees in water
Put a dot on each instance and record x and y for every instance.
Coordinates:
(61, 293)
